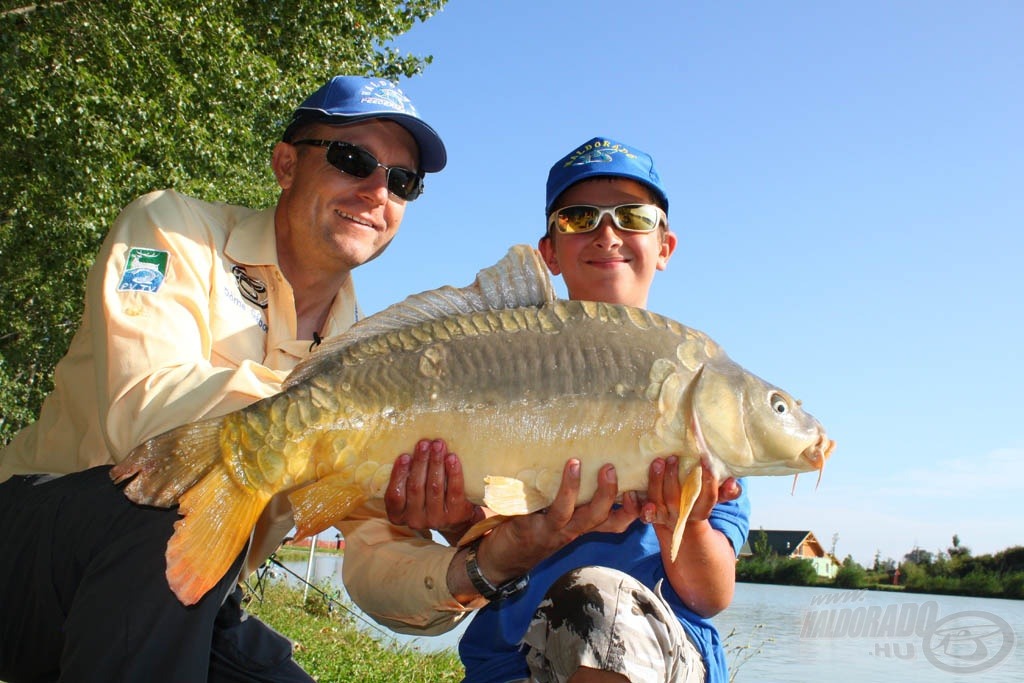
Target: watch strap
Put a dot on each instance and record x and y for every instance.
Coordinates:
(484, 586)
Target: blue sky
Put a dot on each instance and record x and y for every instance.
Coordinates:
(847, 182)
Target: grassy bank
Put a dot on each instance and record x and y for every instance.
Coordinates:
(330, 646)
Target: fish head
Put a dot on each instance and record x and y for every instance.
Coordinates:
(750, 427)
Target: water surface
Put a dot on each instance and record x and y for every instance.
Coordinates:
(785, 634)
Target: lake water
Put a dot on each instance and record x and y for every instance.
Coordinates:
(785, 634)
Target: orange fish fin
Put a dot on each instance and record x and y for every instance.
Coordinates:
(510, 496)
(218, 517)
(480, 528)
(324, 502)
(167, 465)
(687, 497)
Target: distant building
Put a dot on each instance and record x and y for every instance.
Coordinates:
(802, 545)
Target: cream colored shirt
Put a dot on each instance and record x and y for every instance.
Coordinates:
(397, 576)
(172, 332)
(187, 315)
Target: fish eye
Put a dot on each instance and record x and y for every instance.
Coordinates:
(779, 404)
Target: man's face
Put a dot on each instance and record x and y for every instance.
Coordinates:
(330, 220)
(608, 264)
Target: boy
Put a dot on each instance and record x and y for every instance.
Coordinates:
(569, 582)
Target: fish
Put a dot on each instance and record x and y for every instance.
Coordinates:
(515, 379)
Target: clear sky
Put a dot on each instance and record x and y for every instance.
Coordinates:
(847, 182)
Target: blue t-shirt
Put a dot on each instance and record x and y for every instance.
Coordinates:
(490, 646)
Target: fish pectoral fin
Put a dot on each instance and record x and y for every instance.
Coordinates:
(218, 517)
(510, 496)
(324, 502)
(687, 497)
(480, 528)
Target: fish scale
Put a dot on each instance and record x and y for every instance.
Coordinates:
(515, 381)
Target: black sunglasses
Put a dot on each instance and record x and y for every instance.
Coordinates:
(356, 161)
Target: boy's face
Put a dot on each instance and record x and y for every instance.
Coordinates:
(608, 264)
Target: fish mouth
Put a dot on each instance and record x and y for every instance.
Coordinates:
(817, 453)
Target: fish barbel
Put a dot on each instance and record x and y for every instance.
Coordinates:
(515, 381)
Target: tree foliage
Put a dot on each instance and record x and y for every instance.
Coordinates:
(956, 572)
(850, 575)
(104, 101)
(760, 545)
(790, 571)
(999, 575)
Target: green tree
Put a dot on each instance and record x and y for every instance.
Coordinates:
(104, 101)
(851, 574)
(794, 571)
(919, 556)
(956, 550)
(883, 566)
(762, 550)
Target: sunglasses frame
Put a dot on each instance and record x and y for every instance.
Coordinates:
(602, 211)
(343, 148)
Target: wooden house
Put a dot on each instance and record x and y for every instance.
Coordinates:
(802, 545)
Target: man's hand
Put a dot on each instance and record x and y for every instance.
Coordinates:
(426, 491)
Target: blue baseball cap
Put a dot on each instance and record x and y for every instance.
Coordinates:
(347, 99)
(602, 156)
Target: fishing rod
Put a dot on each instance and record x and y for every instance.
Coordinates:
(328, 598)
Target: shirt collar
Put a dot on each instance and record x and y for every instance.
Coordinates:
(253, 241)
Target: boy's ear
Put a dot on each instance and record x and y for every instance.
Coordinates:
(546, 248)
(668, 245)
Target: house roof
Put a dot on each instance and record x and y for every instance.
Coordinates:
(782, 543)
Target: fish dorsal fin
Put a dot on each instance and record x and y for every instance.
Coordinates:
(519, 279)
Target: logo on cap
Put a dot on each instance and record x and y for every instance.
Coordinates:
(599, 152)
(386, 94)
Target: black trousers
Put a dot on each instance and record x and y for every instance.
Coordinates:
(83, 596)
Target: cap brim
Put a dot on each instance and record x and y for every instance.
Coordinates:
(566, 184)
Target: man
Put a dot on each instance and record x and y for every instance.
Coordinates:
(547, 580)
(193, 310)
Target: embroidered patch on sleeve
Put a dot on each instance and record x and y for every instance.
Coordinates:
(144, 270)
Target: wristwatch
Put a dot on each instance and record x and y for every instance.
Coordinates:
(485, 587)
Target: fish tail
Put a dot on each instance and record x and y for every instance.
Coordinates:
(164, 467)
(185, 466)
(218, 516)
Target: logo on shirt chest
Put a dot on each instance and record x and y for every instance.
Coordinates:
(252, 290)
